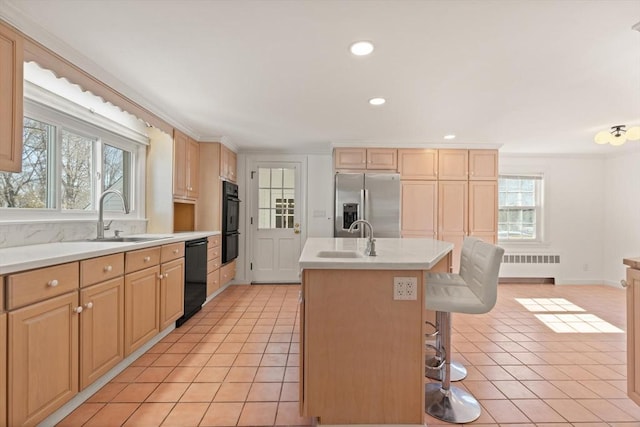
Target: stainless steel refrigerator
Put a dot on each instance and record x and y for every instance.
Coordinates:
(374, 197)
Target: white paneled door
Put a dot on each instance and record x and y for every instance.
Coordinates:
(276, 218)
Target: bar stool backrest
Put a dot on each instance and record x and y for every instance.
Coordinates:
(465, 254)
(481, 272)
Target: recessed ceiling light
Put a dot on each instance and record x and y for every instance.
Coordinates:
(377, 101)
(361, 48)
(450, 136)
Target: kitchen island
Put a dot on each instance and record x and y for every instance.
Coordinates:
(362, 348)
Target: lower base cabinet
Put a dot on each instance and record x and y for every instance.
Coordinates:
(141, 303)
(227, 273)
(43, 356)
(3, 368)
(101, 329)
(171, 292)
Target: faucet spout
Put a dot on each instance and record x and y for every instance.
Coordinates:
(101, 226)
(371, 242)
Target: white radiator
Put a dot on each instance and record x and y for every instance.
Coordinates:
(531, 259)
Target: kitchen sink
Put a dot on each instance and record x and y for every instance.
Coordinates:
(339, 254)
(126, 239)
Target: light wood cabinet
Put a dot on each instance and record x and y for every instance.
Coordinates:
(453, 164)
(366, 158)
(42, 358)
(227, 273)
(186, 173)
(229, 164)
(453, 215)
(418, 164)
(633, 329)
(483, 210)
(419, 209)
(209, 208)
(483, 165)
(101, 329)
(3, 357)
(141, 308)
(38, 285)
(100, 269)
(171, 292)
(214, 258)
(11, 86)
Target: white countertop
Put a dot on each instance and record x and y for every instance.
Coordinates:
(393, 254)
(22, 258)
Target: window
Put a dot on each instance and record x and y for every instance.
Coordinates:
(276, 198)
(519, 208)
(67, 164)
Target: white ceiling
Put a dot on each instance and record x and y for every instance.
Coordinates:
(529, 76)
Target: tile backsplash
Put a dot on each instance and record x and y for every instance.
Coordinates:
(33, 233)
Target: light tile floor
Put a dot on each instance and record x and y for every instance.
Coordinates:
(236, 363)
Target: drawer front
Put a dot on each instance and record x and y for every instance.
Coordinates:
(213, 264)
(213, 253)
(172, 251)
(37, 285)
(214, 241)
(213, 281)
(144, 258)
(96, 270)
(227, 272)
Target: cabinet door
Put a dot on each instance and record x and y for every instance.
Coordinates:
(232, 166)
(101, 329)
(227, 273)
(11, 69)
(382, 158)
(633, 334)
(453, 164)
(42, 358)
(419, 208)
(193, 169)
(483, 165)
(171, 292)
(180, 143)
(452, 216)
(483, 210)
(141, 300)
(213, 281)
(3, 368)
(350, 158)
(418, 164)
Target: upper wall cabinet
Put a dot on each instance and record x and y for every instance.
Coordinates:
(453, 164)
(366, 158)
(228, 164)
(483, 165)
(185, 166)
(418, 164)
(11, 64)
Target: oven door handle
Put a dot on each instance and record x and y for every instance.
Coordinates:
(233, 199)
(191, 245)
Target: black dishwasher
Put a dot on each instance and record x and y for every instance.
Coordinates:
(195, 277)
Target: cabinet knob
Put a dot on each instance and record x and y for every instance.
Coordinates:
(624, 283)
(53, 283)
(175, 251)
(147, 259)
(78, 309)
(160, 276)
(166, 275)
(108, 268)
(88, 305)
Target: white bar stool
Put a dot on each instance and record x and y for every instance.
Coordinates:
(434, 366)
(473, 291)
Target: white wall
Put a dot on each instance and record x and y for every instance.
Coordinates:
(320, 195)
(622, 213)
(574, 218)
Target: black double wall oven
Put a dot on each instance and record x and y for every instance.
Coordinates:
(230, 221)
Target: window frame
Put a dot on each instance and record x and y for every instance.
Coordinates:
(42, 105)
(539, 207)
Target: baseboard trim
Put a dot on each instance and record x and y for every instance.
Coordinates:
(527, 280)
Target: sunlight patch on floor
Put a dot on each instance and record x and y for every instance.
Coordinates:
(577, 323)
(548, 304)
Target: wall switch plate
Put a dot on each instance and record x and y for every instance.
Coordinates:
(405, 288)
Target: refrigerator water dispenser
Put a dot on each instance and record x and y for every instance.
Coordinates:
(349, 214)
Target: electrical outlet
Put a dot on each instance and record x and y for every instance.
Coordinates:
(405, 288)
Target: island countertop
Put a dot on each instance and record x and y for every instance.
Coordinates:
(632, 262)
(392, 254)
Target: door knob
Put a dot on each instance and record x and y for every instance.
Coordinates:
(296, 228)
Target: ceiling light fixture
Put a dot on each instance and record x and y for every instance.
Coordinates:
(618, 135)
(377, 101)
(450, 136)
(361, 48)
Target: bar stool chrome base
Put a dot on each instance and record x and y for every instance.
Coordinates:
(458, 371)
(453, 406)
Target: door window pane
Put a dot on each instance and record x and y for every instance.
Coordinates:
(276, 198)
(76, 171)
(29, 188)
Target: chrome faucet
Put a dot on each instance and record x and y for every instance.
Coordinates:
(101, 226)
(371, 243)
